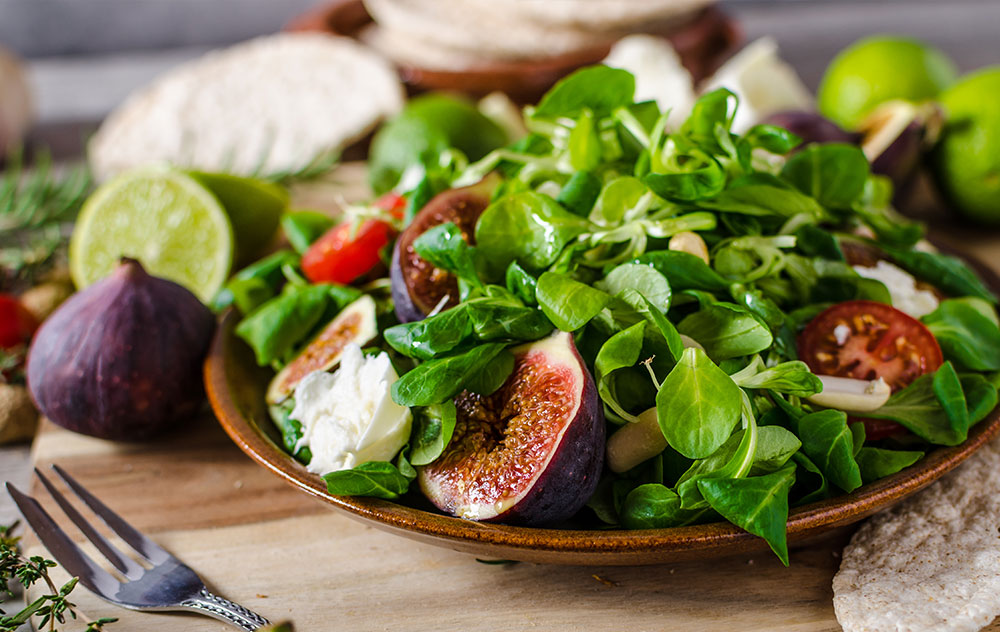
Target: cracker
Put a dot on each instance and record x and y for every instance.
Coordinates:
(930, 563)
(270, 104)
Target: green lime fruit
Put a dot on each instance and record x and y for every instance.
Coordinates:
(427, 126)
(966, 161)
(172, 224)
(878, 69)
(254, 208)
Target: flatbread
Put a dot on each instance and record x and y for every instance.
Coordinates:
(488, 33)
(267, 105)
(930, 563)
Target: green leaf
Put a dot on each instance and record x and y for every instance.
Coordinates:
(701, 178)
(829, 443)
(684, 271)
(834, 174)
(437, 380)
(597, 88)
(792, 378)
(712, 111)
(818, 491)
(726, 331)
(432, 336)
(697, 405)
(876, 463)
(495, 319)
(944, 272)
(255, 284)
(584, 144)
(445, 247)
(763, 200)
(302, 228)
(917, 408)
(967, 336)
(948, 391)
(617, 197)
(618, 352)
(580, 193)
(278, 325)
(646, 280)
(758, 504)
(432, 430)
(772, 138)
(568, 304)
(813, 241)
(527, 227)
(492, 376)
(980, 395)
(654, 506)
(378, 479)
(521, 283)
(428, 126)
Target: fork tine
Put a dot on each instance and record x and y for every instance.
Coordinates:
(132, 536)
(125, 564)
(64, 550)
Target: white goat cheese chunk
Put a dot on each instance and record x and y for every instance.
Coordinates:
(348, 417)
(902, 288)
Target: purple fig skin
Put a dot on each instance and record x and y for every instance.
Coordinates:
(559, 491)
(811, 127)
(901, 159)
(571, 477)
(122, 358)
(406, 311)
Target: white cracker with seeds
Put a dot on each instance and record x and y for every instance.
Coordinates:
(930, 563)
(270, 104)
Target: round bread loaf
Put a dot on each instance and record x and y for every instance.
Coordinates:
(271, 104)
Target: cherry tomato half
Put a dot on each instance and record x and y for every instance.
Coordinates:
(392, 202)
(16, 323)
(867, 340)
(347, 251)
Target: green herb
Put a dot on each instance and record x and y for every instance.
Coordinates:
(829, 443)
(53, 608)
(432, 430)
(726, 331)
(436, 381)
(37, 208)
(302, 228)
(876, 463)
(567, 303)
(967, 336)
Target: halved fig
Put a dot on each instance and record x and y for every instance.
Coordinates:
(355, 323)
(531, 453)
(417, 286)
(895, 135)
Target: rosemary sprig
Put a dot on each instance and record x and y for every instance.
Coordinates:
(37, 208)
(49, 610)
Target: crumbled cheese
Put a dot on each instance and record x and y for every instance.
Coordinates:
(902, 288)
(348, 417)
(841, 333)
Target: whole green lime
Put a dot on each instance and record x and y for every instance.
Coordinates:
(877, 69)
(966, 161)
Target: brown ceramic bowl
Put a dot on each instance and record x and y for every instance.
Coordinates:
(236, 388)
(702, 43)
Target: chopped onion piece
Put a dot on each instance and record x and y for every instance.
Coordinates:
(850, 395)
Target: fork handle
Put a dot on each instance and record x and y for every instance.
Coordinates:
(225, 610)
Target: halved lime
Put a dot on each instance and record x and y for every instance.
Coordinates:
(254, 208)
(878, 69)
(173, 225)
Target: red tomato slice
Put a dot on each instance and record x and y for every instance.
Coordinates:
(347, 251)
(867, 340)
(392, 202)
(16, 323)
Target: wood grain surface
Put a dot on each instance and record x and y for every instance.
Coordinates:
(271, 548)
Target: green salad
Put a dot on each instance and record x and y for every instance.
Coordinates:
(606, 323)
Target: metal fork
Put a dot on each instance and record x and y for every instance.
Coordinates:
(167, 584)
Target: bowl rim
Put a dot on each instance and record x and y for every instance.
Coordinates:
(568, 544)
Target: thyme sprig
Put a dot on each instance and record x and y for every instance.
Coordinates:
(50, 610)
(37, 208)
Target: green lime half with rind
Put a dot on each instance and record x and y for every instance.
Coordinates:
(172, 224)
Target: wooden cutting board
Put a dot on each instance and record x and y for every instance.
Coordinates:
(260, 542)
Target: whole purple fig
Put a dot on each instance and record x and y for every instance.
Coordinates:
(122, 358)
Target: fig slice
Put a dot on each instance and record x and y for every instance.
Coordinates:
(355, 323)
(531, 453)
(418, 287)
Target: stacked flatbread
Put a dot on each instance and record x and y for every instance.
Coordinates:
(269, 105)
(932, 563)
(460, 34)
